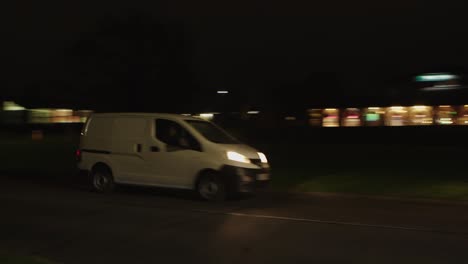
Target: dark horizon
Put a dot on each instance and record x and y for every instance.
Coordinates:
(114, 56)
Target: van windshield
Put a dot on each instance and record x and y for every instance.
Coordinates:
(212, 132)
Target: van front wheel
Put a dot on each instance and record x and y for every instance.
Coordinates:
(103, 182)
(211, 187)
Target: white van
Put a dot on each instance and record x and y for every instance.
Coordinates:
(168, 150)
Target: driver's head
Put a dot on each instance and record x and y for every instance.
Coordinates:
(172, 131)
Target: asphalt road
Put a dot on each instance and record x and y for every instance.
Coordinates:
(69, 224)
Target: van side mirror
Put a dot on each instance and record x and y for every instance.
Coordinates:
(196, 148)
(172, 148)
(188, 143)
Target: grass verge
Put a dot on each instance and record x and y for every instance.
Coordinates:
(435, 172)
(405, 171)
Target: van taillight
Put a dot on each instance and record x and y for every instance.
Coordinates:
(78, 155)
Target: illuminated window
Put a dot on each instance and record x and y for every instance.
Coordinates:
(331, 117)
(446, 115)
(396, 116)
(420, 115)
(463, 116)
(351, 117)
(374, 116)
(315, 117)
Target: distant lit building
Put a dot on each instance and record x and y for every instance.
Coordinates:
(374, 116)
(420, 115)
(417, 115)
(445, 115)
(463, 116)
(351, 117)
(13, 113)
(315, 117)
(331, 117)
(429, 99)
(396, 116)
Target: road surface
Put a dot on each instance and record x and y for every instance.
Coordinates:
(69, 224)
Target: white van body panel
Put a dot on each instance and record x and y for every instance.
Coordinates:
(128, 145)
(101, 130)
(128, 133)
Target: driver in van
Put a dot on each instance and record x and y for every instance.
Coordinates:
(176, 137)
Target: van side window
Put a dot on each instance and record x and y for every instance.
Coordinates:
(174, 135)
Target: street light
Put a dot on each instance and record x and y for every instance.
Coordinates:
(435, 77)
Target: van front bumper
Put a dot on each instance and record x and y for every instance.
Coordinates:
(243, 180)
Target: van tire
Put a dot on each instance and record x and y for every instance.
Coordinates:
(211, 187)
(102, 179)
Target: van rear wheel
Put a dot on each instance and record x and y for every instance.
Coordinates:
(211, 187)
(103, 182)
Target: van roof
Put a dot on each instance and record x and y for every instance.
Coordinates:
(151, 115)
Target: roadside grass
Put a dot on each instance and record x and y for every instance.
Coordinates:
(407, 171)
(437, 172)
(54, 155)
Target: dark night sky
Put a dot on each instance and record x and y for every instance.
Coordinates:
(253, 45)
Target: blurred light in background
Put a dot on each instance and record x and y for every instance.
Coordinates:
(12, 106)
(83, 115)
(62, 112)
(441, 87)
(374, 116)
(445, 121)
(396, 116)
(37, 135)
(417, 115)
(398, 108)
(446, 115)
(351, 117)
(46, 116)
(435, 77)
(66, 119)
(222, 92)
(206, 116)
(438, 82)
(40, 116)
(331, 117)
(315, 117)
(421, 115)
(463, 116)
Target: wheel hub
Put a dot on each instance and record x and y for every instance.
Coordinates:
(209, 188)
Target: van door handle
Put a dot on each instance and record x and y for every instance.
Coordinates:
(154, 149)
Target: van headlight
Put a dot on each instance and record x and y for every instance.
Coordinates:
(234, 156)
(263, 158)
